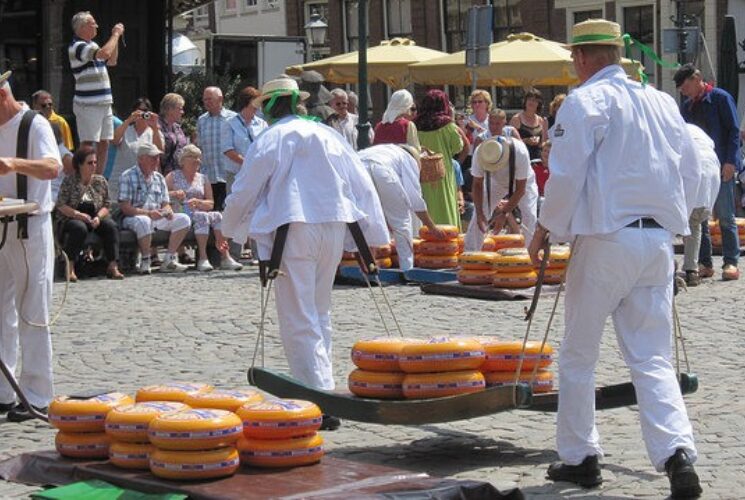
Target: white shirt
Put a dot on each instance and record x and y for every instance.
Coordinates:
(708, 162)
(620, 151)
(41, 145)
(500, 180)
(403, 165)
(301, 171)
(347, 127)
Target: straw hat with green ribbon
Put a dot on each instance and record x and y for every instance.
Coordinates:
(280, 87)
(596, 32)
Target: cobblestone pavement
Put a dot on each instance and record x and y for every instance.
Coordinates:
(202, 327)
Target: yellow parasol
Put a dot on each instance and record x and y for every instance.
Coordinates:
(387, 63)
(521, 60)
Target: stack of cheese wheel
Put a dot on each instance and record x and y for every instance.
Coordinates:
(198, 443)
(348, 259)
(224, 399)
(513, 269)
(127, 426)
(434, 253)
(280, 433)
(382, 255)
(716, 232)
(504, 240)
(557, 263)
(172, 391)
(442, 366)
(476, 268)
(81, 424)
(503, 358)
(489, 245)
(378, 374)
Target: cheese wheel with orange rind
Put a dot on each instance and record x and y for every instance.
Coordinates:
(292, 452)
(174, 391)
(194, 465)
(439, 247)
(195, 429)
(280, 418)
(475, 276)
(376, 385)
(544, 380)
(130, 455)
(451, 233)
(515, 280)
(224, 399)
(129, 423)
(477, 260)
(513, 263)
(84, 415)
(441, 354)
(379, 354)
(508, 240)
(505, 355)
(436, 261)
(438, 385)
(82, 444)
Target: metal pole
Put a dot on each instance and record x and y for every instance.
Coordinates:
(363, 126)
(169, 46)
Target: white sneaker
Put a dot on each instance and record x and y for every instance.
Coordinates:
(204, 266)
(172, 265)
(144, 267)
(228, 264)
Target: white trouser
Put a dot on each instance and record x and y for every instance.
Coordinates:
(144, 226)
(528, 206)
(692, 243)
(303, 294)
(397, 211)
(35, 341)
(628, 275)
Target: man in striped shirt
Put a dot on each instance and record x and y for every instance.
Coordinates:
(92, 101)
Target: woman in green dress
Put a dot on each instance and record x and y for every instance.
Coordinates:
(438, 133)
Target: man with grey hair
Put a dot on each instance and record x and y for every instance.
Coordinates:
(27, 257)
(215, 165)
(342, 120)
(92, 101)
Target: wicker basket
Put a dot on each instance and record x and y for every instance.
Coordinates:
(433, 166)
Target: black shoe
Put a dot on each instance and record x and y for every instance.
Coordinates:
(587, 474)
(20, 414)
(683, 478)
(6, 407)
(330, 423)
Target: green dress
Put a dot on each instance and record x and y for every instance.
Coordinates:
(442, 196)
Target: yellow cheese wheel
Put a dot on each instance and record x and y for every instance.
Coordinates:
(382, 251)
(129, 423)
(130, 455)
(513, 251)
(384, 262)
(461, 242)
(544, 380)
(442, 354)
(505, 355)
(177, 391)
(224, 399)
(84, 415)
(437, 385)
(740, 222)
(451, 232)
(489, 245)
(415, 242)
(553, 276)
(436, 261)
(196, 429)
(82, 444)
(558, 258)
(439, 247)
(508, 240)
(477, 260)
(515, 280)
(191, 465)
(378, 385)
(349, 263)
(475, 276)
(513, 263)
(379, 354)
(303, 450)
(280, 418)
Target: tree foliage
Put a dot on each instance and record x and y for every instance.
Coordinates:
(190, 86)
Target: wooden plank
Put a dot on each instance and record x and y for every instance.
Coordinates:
(353, 275)
(484, 292)
(420, 275)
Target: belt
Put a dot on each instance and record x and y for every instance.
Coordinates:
(645, 223)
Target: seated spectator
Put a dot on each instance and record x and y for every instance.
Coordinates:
(397, 125)
(144, 201)
(192, 194)
(83, 206)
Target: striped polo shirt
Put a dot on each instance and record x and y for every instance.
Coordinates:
(92, 85)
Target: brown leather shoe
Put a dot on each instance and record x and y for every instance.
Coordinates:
(730, 273)
(705, 271)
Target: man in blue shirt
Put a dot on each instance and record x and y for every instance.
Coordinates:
(714, 110)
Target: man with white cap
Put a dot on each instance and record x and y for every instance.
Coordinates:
(501, 160)
(27, 258)
(623, 178)
(144, 201)
(394, 170)
(301, 179)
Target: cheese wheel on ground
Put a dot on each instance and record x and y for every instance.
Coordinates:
(196, 429)
(508, 240)
(451, 232)
(513, 263)
(129, 423)
(224, 399)
(544, 380)
(379, 354)
(207, 464)
(439, 247)
(303, 450)
(475, 276)
(553, 276)
(515, 280)
(280, 418)
(442, 354)
(84, 415)
(477, 260)
(176, 391)
(558, 258)
(436, 261)
(82, 444)
(489, 245)
(437, 385)
(377, 385)
(130, 455)
(505, 355)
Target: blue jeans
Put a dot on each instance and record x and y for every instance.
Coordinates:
(724, 210)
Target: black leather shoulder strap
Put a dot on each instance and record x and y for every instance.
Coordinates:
(24, 131)
(511, 188)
